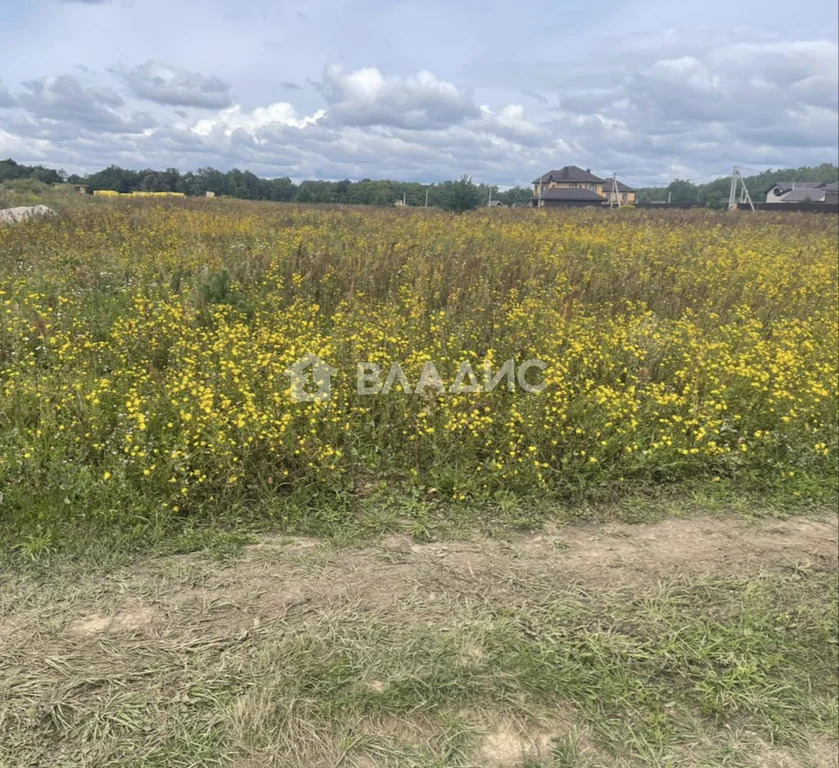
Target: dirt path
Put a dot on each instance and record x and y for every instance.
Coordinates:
(100, 625)
(280, 574)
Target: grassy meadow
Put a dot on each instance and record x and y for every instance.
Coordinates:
(143, 350)
(414, 593)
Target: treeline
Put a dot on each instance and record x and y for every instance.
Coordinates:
(462, 194)
(714, 194)
(10, 170)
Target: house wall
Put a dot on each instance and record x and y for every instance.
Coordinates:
(626, 198)
(597, 188)
(78, 188)
(566, 203)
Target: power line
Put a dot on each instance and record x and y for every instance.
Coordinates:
(717, 174)
(721, 174)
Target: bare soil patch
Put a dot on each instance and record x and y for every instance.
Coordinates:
(70, 640)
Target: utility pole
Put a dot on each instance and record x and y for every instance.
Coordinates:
(426, 197)
(539, 201)
(614, 197)
(489, 202)
(732, 190)
(745, 197)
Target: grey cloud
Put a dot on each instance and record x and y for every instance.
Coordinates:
(23, 125)
(535, 95)
(65, 99)
(779, 63)
(169, 85)
(6, 98)
(685, 112)
(774, 99)
(324, 151)
(685, 99)
(818, 90)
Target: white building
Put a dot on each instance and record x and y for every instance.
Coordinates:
(802, 192)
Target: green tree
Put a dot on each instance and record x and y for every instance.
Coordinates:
(460, 195)
(681, 191)
(516, 196)
(280, 190)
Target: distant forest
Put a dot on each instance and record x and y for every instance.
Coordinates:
(714, 194)
(461, 194)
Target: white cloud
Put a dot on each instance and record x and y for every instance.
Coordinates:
(512, 124)
(366, 97)
(690, 109)
(229, 120)
(686, 71)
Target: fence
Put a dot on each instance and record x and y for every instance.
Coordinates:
(773, 207)
(793, 207)
(678, 206)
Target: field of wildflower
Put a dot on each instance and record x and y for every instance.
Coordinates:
(144, 347)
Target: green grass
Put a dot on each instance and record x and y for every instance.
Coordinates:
(700, 670)
(59, 529)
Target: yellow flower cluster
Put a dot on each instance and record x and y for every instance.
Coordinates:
(145, 348)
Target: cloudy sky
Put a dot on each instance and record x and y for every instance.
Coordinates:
(420, 89)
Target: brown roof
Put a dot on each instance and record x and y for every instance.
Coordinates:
(607, 186)
(570, 173)
(569, 194)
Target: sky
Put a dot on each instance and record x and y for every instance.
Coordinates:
(421, 91)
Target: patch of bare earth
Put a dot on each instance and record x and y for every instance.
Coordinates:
(64, 637)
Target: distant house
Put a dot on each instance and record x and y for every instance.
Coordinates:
(623, 194)
(802, 192)
(559, 196)
(495, 204)
(574, 186)
(66, 187)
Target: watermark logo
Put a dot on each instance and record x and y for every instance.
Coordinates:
(369, 379)
(311, 379)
